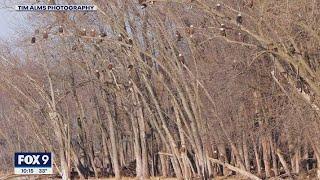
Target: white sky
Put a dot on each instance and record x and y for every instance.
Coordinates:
(10, 20)
(5, 27)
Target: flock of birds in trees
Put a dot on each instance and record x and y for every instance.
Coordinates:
(82, 32)
(92, 33)
(143, 4)
(223, 27)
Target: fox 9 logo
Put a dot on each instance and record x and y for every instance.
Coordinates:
(32, 160)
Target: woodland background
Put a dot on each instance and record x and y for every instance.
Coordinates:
(173, 88)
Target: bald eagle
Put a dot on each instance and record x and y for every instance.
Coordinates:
(45, 35)
(223, 32)
(60, 29)
(93, 33)
(33, 40)
(143, 3)
(239, 19)
(181, 58)
(218, 6)
(110, 66)
(83, 32)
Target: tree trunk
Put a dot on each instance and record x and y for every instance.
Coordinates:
(246, 152)
(164, 168)
(266, 156)
(183, 150)
(297, 157)
(223, 158)
(144, 153)
(257, 157)
(60, 137)
(274, 157)
(114, 156)
(283, 162)
(238, 170)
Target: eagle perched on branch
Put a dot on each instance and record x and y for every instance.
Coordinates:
(143, 3)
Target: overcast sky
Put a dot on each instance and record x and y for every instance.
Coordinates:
(10, 21)
(6, 27)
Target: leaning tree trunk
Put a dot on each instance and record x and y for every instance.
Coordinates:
(137, 147)
(256, 155)
(274, 157)
(266, 156)
(58, 127)
(283, 162)
(114, 150)
(143, 143)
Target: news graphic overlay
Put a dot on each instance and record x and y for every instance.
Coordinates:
(32, 163)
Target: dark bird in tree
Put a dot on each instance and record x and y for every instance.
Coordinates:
(110, 66)
(190, 30)
(83, 32)
(215, 154)
(225, 27)
(130, 67)
(300, 84)
(45, 35)
(183, 150)
(218, 6)
(312, 97)
(240, 37)
(130, 42)
(291, 49)
(120, 37)
(60, 29)
(97, 74)
(93, 33)
(239, 19)
(143, 3)
(272, 47)
(222, 158)
(33, 40)
(223, 32)
(74, 47)
(178, 36)
(102, 34)
(181, 58)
